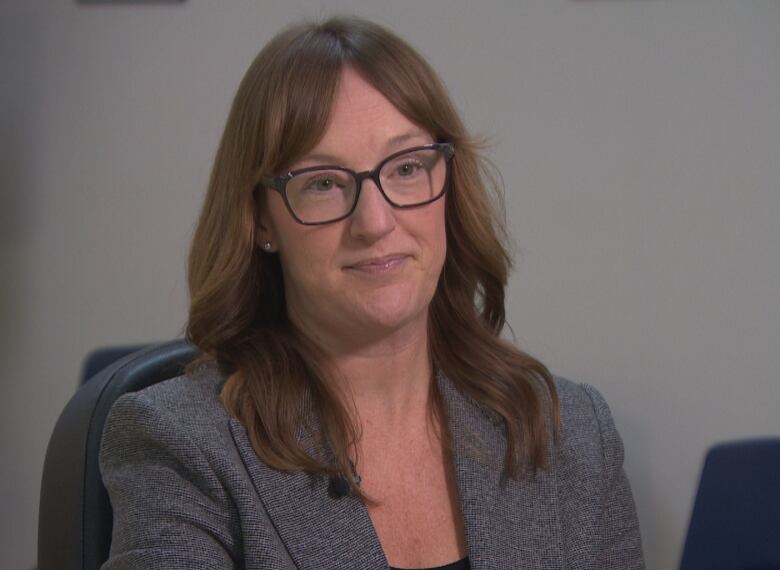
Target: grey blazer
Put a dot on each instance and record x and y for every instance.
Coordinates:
(189, 492)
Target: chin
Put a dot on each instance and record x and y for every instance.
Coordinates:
(391, 314)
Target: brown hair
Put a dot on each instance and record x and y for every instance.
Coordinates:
(276, 376)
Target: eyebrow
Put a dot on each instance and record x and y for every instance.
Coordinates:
(330, 159)
(402, 138)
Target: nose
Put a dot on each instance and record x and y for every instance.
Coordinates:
(373, 217)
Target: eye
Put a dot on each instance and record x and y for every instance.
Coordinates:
(407, 168)
(325, 182)
(321, 184)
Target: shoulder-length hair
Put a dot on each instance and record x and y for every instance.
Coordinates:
(276, 377)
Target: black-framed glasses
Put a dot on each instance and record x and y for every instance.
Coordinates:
(409, 178)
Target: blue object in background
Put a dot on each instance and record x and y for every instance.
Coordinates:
(735, 522)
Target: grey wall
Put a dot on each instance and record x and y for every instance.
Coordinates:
(639, 141)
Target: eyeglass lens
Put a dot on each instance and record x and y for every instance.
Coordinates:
(409, 179)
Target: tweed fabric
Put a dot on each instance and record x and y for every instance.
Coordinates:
(188, 491)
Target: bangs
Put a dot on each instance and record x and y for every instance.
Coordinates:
(301, 84)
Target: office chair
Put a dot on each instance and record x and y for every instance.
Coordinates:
(101, 358)
(74, 518)
(736, 515)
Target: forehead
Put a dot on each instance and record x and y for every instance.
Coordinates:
(362, 121)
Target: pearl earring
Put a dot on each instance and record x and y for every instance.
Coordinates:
(267, 246)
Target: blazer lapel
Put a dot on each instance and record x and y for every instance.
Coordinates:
(318, 531)
(509, 523)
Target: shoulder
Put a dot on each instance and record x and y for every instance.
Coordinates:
(201, 387)
(589, 455)
(192, 398)
(185, 412)
(169, 467)
(587, 428)
(584, 411)
(171, 435)
(595, 499)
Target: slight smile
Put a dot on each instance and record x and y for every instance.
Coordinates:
(383, 264)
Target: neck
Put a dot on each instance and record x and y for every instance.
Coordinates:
(390, 389)
(385, 378)
(388, 384)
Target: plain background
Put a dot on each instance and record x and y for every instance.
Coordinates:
(639, 142)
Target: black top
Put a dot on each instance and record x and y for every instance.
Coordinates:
(457, 565)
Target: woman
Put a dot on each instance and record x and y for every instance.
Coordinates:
(354, 406)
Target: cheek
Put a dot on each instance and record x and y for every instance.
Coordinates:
(306, 258)
(437, 237)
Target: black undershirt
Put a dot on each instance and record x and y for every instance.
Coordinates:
(457, 565)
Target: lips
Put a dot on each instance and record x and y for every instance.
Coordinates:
(380, 264)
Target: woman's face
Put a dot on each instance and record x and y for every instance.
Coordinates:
(373, 274)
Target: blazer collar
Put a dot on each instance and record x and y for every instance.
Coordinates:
(508, 523)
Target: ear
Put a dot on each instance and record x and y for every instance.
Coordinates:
(264, 232)
(263, 235)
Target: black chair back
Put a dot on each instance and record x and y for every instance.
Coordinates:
(75, 519)
(104, 356)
